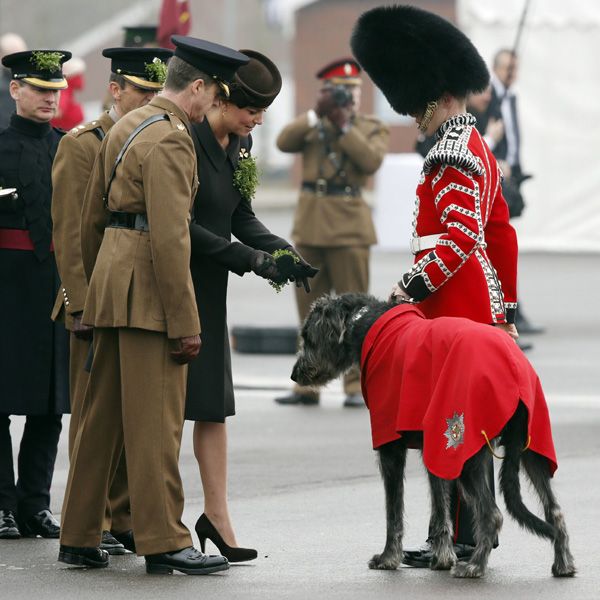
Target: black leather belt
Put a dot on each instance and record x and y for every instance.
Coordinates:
(124, 220)
(322, 187)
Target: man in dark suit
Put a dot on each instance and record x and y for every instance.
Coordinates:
(33, 349)
(507, 150)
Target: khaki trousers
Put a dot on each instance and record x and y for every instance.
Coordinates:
(134, 399)
(117, 516)
(341, 270)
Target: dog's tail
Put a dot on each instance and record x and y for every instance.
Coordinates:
(512, 438)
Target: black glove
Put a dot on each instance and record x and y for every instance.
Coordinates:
(263, 265)
(298, 271)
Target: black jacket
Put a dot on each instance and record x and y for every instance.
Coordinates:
(219, 212)
(33, 350)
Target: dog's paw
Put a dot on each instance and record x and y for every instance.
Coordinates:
(563, 569)
(467, 570)
(384, 561)
(443, 562)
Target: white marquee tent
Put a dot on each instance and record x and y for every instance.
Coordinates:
(559, 105)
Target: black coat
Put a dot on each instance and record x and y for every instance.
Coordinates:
(34, 356)
(219, 211)
(7, 104)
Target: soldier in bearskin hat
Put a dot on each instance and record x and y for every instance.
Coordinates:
(465, 249)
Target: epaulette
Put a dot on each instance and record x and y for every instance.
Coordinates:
(176, 122)
(452, 149)
(91, 126)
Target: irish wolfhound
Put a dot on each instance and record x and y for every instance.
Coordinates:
(332, 339)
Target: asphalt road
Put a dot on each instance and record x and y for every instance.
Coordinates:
(304, 486)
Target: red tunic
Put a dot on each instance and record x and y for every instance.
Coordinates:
(441, 376)
(472, 270)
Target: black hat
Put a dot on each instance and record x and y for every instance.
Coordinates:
(344, 71)
(143, 67)
(257, 83)
(137, 36)
(414, 57)
(40, 68)
(220, 62)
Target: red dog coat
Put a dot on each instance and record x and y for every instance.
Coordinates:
(450, 378)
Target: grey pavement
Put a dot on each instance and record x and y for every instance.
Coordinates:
(304, 486)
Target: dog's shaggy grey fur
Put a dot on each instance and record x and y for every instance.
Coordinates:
(331, 342)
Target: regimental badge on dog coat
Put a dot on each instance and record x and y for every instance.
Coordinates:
(456, 431)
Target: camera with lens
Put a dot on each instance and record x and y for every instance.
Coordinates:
(341, 95)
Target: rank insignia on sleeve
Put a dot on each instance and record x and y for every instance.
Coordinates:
(456, 431)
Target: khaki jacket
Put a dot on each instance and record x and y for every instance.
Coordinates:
(335, 220)
(71, 170)
(142, 279)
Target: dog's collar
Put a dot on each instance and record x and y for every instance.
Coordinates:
(359, 314)
(355, 317)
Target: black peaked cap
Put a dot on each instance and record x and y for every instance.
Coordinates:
(220, 62)
(137, 36)
(133, 61)
(257, 83)
(25, 66)
(414, 56)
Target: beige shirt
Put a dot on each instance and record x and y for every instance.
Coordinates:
(335, 220)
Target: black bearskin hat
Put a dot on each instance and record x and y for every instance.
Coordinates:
(414, 56)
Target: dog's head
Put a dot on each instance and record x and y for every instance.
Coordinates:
(323, 354)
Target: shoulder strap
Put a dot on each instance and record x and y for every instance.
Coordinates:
(99, 132)
(138, 129)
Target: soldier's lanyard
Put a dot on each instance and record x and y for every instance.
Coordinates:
(138, 129)
(331, 155)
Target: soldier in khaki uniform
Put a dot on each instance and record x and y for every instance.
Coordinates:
(132, 84)
(333, 229)
(141, 303)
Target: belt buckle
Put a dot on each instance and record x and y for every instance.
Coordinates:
(415, 245)
(320, 187)
(140, 222)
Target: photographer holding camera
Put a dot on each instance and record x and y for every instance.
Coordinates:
(333, 229)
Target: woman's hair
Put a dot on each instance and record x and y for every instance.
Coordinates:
(180, 74)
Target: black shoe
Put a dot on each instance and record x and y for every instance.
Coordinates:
(189, 561)
(9, 530)
(354, 400)
(43, 524)
(297, 398)
(126, 538)
(526, 327)
(421, 557)
(206, 530)
(83, 557)
(524, 345)
(111, 545)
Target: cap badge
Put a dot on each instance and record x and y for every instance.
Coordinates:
(47, 61)
(456, 431)
(348, 69)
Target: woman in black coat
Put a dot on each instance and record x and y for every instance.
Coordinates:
(222, 142)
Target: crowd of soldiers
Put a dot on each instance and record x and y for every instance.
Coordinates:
(95, 247)
(116, 243)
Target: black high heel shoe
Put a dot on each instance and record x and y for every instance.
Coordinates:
(206, 530)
